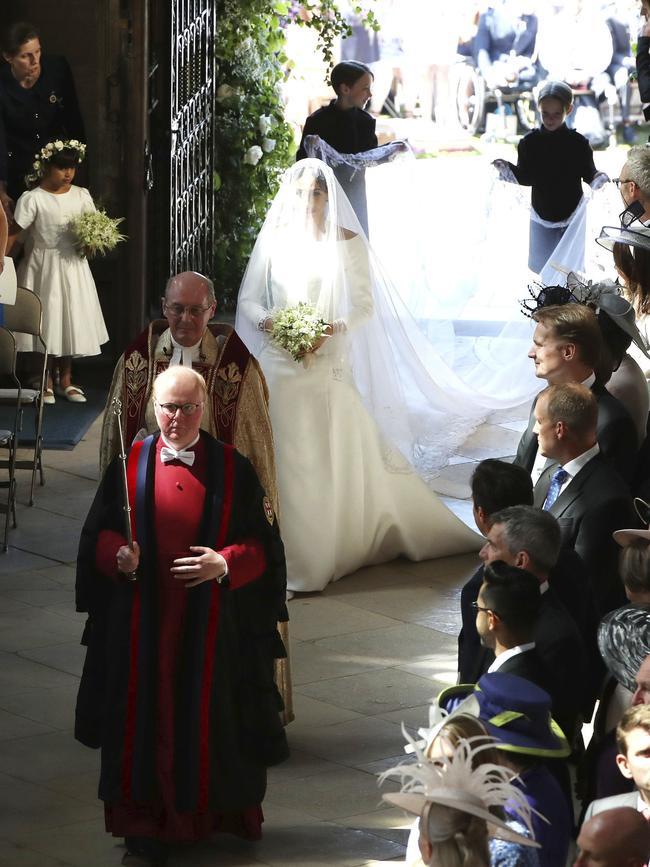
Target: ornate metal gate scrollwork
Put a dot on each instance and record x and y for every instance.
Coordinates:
(192, 97)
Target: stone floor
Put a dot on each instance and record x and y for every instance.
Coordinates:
(367, 654)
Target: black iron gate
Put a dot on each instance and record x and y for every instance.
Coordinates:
(192, 136)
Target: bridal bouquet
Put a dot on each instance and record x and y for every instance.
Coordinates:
(297, 328)
(95, 233)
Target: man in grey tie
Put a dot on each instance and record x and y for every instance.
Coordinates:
(585, 493)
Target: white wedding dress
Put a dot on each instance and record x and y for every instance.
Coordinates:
(347, 497)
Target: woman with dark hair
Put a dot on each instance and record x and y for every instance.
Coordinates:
(631, 251)
(38, 104)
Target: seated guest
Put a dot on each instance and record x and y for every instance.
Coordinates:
(624, 644)
(580, 488)
(633, 743)
(567, 346)
(624, 378)
(614, 838)
(532, 636)
(634, 564)
(495, 485)
(517, 714)
(459, 791)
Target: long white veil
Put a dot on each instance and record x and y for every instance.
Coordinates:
(453, 239)
(419, 404)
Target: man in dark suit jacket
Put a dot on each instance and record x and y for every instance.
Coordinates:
(566, 348)
(580, 489)
(495, 486)
(532, 636)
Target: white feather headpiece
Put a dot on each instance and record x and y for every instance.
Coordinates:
(461, 781)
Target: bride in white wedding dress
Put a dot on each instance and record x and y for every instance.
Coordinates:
(358, 423)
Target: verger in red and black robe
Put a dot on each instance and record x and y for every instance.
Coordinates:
(177, 687)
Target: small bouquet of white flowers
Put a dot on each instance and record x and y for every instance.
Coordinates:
(296, 329)
(95, 233)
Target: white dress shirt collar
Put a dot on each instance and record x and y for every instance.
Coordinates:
(574, 466)
(508, 654)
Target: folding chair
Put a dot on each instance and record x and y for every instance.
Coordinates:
(26, 316)
(9, 437)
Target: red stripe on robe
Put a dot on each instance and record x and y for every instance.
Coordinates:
(211, 633)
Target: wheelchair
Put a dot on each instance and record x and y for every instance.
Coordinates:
(474, 99)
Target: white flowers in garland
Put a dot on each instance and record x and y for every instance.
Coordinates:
(46, 153)
(95, 233)
(296, 329)
(253, 155)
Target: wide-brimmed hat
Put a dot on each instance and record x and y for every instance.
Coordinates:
(464, 802)
(461, 781)
(627, 536)
(637, 237)
(624, 642)
(514, 711)
(621, 312)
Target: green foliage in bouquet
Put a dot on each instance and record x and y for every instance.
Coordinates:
(297, 328)
(95, 233)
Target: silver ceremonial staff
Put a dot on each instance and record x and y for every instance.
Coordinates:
(117, 410)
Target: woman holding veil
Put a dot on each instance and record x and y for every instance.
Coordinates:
(358, 421)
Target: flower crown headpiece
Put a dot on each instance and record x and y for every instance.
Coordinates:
(43, 157)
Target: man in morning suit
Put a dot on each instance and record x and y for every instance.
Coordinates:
(177, 688)
(566, 348)
(580, 488)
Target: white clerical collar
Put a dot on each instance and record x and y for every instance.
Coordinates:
(589, 381)
(185, 355)
(508, 654)
(543, 587)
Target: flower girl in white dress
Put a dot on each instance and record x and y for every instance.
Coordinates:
(55, 269)
(354, 422)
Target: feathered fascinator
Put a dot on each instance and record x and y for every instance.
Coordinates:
(461, 782)
(602, 295)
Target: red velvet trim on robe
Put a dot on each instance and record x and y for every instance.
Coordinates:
(179, 495)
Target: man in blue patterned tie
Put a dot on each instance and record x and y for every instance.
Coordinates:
(580, 489)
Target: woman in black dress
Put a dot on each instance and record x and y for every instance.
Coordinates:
(38, 104)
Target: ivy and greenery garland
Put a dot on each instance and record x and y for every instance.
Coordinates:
(254, 144)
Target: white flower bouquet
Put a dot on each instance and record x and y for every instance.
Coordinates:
(95, 233)
(296, 329)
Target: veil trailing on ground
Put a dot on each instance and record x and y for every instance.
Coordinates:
(311, 249)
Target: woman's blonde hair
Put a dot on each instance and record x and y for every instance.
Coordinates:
(467, 842)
